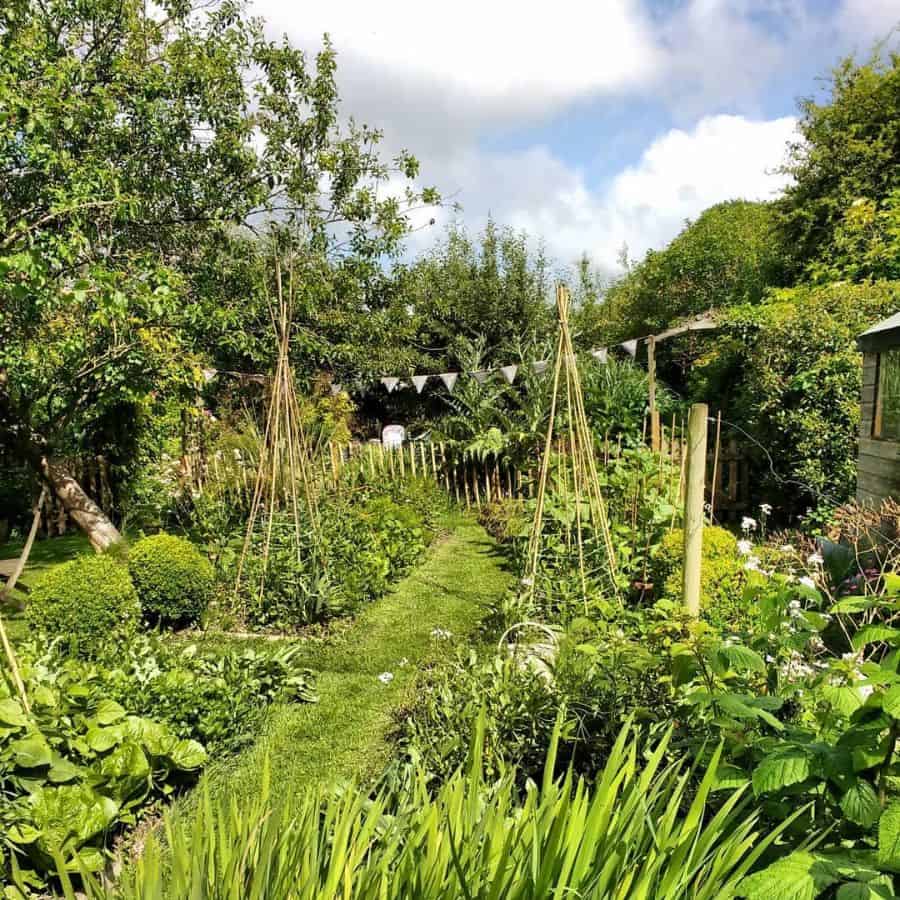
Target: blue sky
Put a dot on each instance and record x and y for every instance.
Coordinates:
(591, 125)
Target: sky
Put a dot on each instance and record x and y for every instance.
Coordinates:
(594, 125)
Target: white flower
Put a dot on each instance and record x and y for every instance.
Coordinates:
(814, 559)
(748, 524)
(744, 547)
(787, 548)
(403, 662)
(765, 509)
(752, 564)
(441, 634)
(386, 677)
(527, 582)
(806, 581)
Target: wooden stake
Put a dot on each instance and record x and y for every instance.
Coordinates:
(693, 507)
(654, 412)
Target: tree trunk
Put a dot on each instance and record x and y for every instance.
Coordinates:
(34, 449)
(90, 518)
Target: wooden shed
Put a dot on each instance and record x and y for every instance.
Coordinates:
(878, 463)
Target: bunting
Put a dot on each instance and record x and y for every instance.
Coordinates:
(449, 379)
(540, 366)
(390, 383)
(482, 375)
(509, 373)
(336, 388)
(630, 347)
(419, 381)
(601, 354)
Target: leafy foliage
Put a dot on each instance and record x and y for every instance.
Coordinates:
(173, 579)
(74, 768)
(844, 175)
(474, 836)
(84, 603)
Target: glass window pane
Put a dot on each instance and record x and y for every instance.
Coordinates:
(889, 393)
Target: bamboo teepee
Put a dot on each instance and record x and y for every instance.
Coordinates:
(578, 478)
(285, 489)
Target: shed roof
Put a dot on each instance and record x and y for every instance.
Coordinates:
(882, 336)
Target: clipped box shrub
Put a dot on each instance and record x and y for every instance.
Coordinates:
(173, 579)
(721, 574)
(84, 602)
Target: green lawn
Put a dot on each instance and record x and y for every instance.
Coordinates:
(345, 733)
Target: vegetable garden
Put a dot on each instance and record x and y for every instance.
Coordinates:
(603, 622)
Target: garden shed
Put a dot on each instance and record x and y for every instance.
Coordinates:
(878, 463)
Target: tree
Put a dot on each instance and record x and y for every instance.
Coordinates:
(788, 372)
(845, 173)
(492, 288)
(731, 254)
(133, 146)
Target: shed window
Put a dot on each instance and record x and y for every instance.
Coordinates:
(887, 402)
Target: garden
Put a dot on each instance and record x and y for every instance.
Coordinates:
(330, 571)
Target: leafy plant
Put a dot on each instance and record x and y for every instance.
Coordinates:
(84, 603)
(475, 836)
(172, 578)
(76, 767)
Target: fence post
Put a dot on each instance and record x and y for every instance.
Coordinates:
(693, 507)
(654, 412)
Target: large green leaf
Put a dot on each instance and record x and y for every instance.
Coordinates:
(890, 702)
(800, 876)
(782, 768)
(845, 698)
(11, 713)
(741, 658)
(31, 752)
(109, 712)
(860, 804)
(871, 634)
(889, 837)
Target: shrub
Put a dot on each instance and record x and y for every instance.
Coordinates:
(173, 579)
(84, 602)
(721, 575)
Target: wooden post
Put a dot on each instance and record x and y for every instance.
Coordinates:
(654, 412)
(412, 458)
(434, 465)
(693, 507)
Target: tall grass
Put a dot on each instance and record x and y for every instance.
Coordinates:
(635, 834)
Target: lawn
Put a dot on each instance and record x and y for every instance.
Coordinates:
(346, 733)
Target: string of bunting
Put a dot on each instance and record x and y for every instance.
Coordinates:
(393, 383)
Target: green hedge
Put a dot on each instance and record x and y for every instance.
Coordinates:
(84, 602)
(173, 579)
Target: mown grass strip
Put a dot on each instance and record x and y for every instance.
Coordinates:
(345, 733)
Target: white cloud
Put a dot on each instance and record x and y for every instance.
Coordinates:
(645, 205)
(528, 54)
(868, 20)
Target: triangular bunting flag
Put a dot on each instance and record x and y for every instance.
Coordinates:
(419, 381)
(482, 375)
(540, 366)
(390, 383)
(600, 354)
(209, 374)
(336, 387)
(630, 347)
(509, 373)
(449, 379)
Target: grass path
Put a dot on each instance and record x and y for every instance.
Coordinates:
(345, 733)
